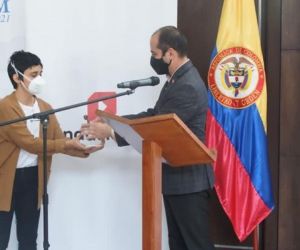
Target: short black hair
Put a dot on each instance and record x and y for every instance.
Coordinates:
(22, 60)
(171, 37)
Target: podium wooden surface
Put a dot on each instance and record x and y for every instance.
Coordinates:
(159, 138)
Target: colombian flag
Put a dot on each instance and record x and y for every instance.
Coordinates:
(236, 120)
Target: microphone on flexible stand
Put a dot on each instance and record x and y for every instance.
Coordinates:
(151, 81)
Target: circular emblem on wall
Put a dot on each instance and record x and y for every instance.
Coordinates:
(236, 77)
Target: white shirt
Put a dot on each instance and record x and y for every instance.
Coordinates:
(27, 159)
(170, 77)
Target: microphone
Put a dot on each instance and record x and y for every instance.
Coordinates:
(152, 81)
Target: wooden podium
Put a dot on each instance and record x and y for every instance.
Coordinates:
(159, 138)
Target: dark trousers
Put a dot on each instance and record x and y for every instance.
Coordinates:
(188, 222)
(24, 205)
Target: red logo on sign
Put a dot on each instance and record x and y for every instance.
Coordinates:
(109, 105)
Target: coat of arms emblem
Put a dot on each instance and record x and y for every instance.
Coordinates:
(236, 77)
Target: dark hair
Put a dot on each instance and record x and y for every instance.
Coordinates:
(22, 60)
(171, 37)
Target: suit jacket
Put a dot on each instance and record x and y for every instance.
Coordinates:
(185, 95)
(16, 136)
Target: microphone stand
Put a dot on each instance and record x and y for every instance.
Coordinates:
(44, 119)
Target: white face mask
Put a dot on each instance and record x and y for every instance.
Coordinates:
(36, 85)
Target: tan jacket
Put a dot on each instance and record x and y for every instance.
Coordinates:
(16, 136)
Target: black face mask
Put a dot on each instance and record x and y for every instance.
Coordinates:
(159, 66)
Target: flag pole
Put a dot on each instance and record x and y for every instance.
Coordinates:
(256, 242)
(256, 238)
(259, 14)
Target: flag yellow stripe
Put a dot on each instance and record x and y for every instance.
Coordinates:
(238, 28)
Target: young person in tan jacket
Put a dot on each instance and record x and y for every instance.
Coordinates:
(21, 168)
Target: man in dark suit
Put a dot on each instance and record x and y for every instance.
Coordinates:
(185, 190)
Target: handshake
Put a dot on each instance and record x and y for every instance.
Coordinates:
(91, 139)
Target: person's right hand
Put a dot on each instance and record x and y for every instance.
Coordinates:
(73, 147)
(96, 129)
(95, 148)
(74, 144)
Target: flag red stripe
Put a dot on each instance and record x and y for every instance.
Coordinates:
(238, 196)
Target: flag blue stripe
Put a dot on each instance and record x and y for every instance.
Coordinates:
(214, 53)
(245, 130)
